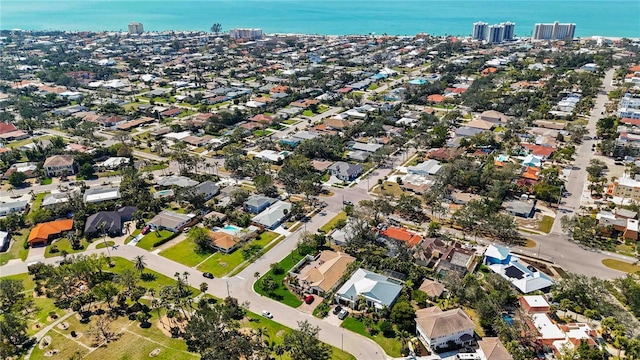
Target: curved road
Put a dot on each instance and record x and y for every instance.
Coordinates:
(241, 287)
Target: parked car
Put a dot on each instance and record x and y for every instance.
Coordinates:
(343, 314)
(347, 202)
(208, 275)
(309, 299)
(186, 230)
(337, 309)
(145, 230)
(267, 314)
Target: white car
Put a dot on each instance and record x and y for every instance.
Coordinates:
(267, 314)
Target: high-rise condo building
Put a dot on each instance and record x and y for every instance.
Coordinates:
(479, 30)
(135, 28)
(508, 30)
(493, 34)
(555, 31)
(246, 34)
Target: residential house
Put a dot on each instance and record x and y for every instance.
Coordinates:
(410, 239)
(179, 181)
(436, 328)
(457, 258)
(345, 171)
(171, 220)
(491, 348)
(321, 274)
(432, 288)
(524, 277)
(274, 215)
(43, 233)
(12, 206)
(108, 222)
(534, 304)
(494, 116)
(378, 291)
(100, 194)
(173, 112)
(59, 165)
(519, 208)
(207, 189)
(5, 240)
(257, 203)
(426, 168)
(430, 251)
(224, 242)
(55, 198)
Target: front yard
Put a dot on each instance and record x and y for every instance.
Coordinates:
(63, 245)
(185, 252)
(331, 224)
(16, 250)
(281, 293)
(153, 237)
(391, 346)
(220, 264)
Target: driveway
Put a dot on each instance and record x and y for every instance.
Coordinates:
(308, 308)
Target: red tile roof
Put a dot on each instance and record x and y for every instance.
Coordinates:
(540, 150)
(7, 128)
(402, 234)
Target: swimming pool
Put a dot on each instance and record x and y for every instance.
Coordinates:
(163, 193)
(418, 82)
(229, 229)
(508, 319)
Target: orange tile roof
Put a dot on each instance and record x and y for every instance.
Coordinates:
(41, 232)
(436, 98)
(402, 234)
(223, 240)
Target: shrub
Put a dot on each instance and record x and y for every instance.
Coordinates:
(387, 329)
(53, 249)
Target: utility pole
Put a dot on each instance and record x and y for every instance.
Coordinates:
(228, 293)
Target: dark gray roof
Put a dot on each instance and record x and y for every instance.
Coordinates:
(207, 188)
(111, 219)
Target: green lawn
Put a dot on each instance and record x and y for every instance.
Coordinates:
(221, 264)
(274, 332)
(152, 237)
(391, 346)
(281, 294)
(372, 87)
(158, 280)
(307, 113)
(101, 244)
(260, 133)
(390, 188)
(64, 244)
(155, 167)
(46, 181)
(135, 233)
(38, 201)
(546, 223)
(290, 122)
(621, 265)
(332, 223)
(185, 253)
(16, 250)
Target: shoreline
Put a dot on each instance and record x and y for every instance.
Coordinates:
(372, 35)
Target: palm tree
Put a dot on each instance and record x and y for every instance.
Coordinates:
(216, 28)
(139, 263)
(204, 287)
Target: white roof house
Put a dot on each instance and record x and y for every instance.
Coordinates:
(95, 195)
(378, 290)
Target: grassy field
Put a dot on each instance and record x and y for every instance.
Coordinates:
(621, 265)
(101, 244)
(16, 250)
(331, 224)
(389, 188)
(391, 346)
(282, 294)
(46, 181)
(546, 223)
(38, 201)
(152, 237)
(64, 244)
(185, 253)
(221, 264)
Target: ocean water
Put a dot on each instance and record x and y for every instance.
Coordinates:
(615, 18)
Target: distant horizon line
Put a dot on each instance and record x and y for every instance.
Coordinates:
(373, 34)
